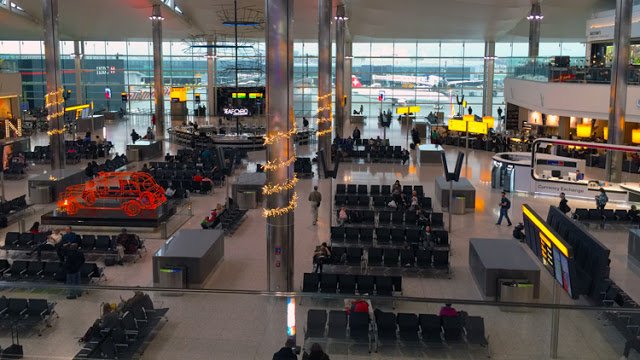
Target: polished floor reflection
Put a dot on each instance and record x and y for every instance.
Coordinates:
(234, 327)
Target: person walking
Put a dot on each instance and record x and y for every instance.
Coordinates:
(602, 199)
(563, 204)
(73, 261)
(505, 205)
(315, 198)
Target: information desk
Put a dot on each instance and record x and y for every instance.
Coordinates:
(56, 180)
(493, 259)
(634, 244)
(147, 149)
(429, 154)
(461, 188)
(249, 182)
(195, 251)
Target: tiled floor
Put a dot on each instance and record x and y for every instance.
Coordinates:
(228, 326)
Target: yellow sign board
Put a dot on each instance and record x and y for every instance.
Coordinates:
(77, 107)
(544, 230)
(404, 110)
(457, 125)
(489, 120)
(476, 127)
(179, 93)
(469, 118)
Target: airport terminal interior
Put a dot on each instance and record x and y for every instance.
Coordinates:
(336, 179)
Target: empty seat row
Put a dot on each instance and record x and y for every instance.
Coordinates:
(384, 235)
(352, 189)
(610, 215)
(25, 312)
(437, 258)
(351, 284)
(25, 270)
(339, 325)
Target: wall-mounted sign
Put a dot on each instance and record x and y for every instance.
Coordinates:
(236, 111)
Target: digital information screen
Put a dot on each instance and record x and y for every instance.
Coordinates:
(555, 254)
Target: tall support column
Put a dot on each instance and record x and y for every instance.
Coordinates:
(339, 117)
(54, 98)
(618, 93)
(212, 92)
(534, 29)
(158, 83)
(280, 121)
(348, 71)
(487, 88)
(324, 79)
(77, 60)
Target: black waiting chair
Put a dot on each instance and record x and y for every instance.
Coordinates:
(408, 326)
(347, 284)
(329, 283)
(316, 323)
(310, 282)
(337, 324)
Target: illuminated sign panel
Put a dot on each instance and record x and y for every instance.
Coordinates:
(457, 125)
(236, 112)
(255, 95)
(555, 254)
(477, 127)
(179, 93)
(239, 95)
(404, 110)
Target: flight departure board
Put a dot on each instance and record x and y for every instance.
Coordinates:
(556, 255)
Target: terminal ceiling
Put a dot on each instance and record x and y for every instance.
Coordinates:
(475, 20)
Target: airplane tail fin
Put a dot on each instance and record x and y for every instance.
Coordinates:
(355, 82)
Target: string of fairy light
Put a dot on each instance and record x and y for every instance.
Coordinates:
(274, 138)
(323, 119)
(53, 100)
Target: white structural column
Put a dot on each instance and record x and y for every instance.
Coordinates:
(487, 88)
(339, 98)
(54, 101)
(279, 167)
(78, 53)
(158, 83)
(348, 72)
(324, 80)
(535, 18)
(618, 94)
(212, 93)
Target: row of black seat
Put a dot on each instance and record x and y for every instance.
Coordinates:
(436, 258)
(378, 202)
(230, 219)
(373, 153)
(384, 235)
(25, 270)
(626, 322)
(398, 217)
(607, 215)
(26, 313)
(126, 336)
(351, 284)
(27, 241)
(386, 327)
(373, 190)
(11, 207)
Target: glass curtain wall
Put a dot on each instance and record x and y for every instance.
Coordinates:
(425, 74)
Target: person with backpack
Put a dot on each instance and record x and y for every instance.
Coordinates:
(563, 204)
(505, 205)
(602, 199)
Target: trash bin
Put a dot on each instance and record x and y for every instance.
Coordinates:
(40, 195)
(458, 205)
(247, 200)
(174, 277)
(515, 291)
(133, 154)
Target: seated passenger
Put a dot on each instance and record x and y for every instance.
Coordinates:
(210, 221)
(150, 135)
(579, 175)
(359, 306)
(343, 217)
(448, 311)
(321, 255)
(170, 191)
(52, 243)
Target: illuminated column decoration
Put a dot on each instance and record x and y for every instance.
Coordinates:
(78, 53)
(279, 189)
(158, 84)
(340, 20)
(324, 80)
(487, 89)
(618, 93)
(9, 126)
(54, 100)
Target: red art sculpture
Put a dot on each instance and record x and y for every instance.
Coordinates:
(131, 192)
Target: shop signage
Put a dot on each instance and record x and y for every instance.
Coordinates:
(236, 111)
(573, 189)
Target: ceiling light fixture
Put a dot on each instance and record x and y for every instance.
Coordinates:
(341, 18)
(536, 12)
(490, 57)
(156, 15)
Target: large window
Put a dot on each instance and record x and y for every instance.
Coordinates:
(422, 73)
